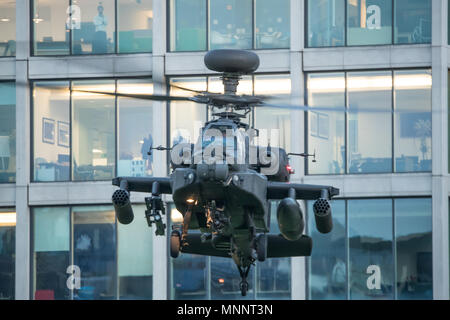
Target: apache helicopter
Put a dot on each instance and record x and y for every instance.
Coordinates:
(226, 194)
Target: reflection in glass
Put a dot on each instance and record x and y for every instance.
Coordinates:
(328, 261)
(135, 23)
(51, 131)
(413, 233)
(51, 253)
(371, 261)
(369, 133)
(273, 277)
(412, 21)
(189, 272)
(135, 134)
(231, 24)
(272, 21)
(7, 28)
(326, 130)
(188, 25)
(94, 251)
(276, 121)
(369, 22)
(186, 118)
(51, 33)
(326, 23)
(96, 32)
(93, 131)
(225, 280)
(7, 132)
(412, 93)
(135, 258)
(7, 254)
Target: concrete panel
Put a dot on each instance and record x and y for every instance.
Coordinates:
(367, 57)
(7, 69)
(65, 193)
(182, 63)
(7, 195)
(376, 185)
(90, 66)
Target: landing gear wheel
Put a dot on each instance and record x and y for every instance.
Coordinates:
(261, 247)
(175, 244)
(244, 287)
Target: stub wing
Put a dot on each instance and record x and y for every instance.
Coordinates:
(280, 190)
(144, 184)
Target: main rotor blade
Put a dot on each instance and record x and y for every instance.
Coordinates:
(339, 109)
(142, 96)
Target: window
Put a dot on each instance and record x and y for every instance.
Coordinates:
(93, 131)
(90, 27)
(95, 34)
(372, 91)
(7, 28)
(87, 239)
(412, 21)
(7, 132)
(326, 23)
(272, 24)
(384, 109)
(327, 138)
(51, 34)
(7, 254)
(414, 249)
(378, 249)
(51, 131)
(51, 253)
(69, 123)
(232, 24)
(412, 92)
(188, 25)
(371, 263)
(369, 22)
(190, 274)
(328, 261)
(135, 24)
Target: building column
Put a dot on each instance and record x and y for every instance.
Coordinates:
(440, 194)
(298, 264)
(160, 256)
(22, 268)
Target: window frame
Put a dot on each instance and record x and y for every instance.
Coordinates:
(116, 37)
(393, 42)
(116, 124)
(393, 126)
(170, 28)
(310, 215)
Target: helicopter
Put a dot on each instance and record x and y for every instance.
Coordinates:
(223, 184)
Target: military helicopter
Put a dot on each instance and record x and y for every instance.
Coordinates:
(223, 183)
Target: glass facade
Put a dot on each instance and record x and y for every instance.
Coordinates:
(88, 27)
(249, 24)
(70, 123)
(383, 109)
(7, 254)
(7, 132)
(86, 243)
(378, 249)
(7, 28)
(200, 277)
(369, 22)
